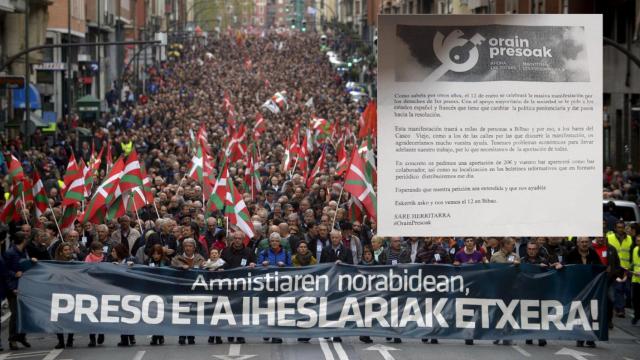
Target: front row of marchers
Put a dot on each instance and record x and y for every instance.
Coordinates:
(549, 253)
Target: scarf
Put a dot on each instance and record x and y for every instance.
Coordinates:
(377, 253)
(305, 259)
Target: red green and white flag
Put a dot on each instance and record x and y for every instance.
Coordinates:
(360, 181)
(69, 217)
(146, 185)
(220, 189)
(87, 176)
(41, 202)
(321, 129)
(196, 165)
(13, 206)
(104, 196)
(236, 210)
(73, 183)
(236, 148)
(132, 175)
(317, 168)
(366, 150)
(16, 173)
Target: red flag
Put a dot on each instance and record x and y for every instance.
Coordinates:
(370, 116)
(303, 159)
(342, 164)
(201, 138)
(317, 168)
(293, 148)
(109, 158)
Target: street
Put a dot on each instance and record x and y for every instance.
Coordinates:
(623, 345)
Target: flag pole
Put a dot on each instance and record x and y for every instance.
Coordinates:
(24, 207)
(294, 166)
(333, 223)
(54, 218)
(135, 207)
(156, 207)
(251, 175)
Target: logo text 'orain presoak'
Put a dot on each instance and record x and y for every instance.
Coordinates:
(515, 47)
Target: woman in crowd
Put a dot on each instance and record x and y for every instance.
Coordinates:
(303, 257)
(64, 252)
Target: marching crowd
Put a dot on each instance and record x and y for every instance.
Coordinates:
(295, 222)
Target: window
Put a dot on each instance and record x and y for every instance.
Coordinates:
(565, 6)
(47, 54)
(441, 7)
(511, 6)
(537, 6)
(410, 7)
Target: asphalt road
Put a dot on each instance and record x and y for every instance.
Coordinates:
(624, 344)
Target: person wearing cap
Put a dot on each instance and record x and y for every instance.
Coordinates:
(351, 241)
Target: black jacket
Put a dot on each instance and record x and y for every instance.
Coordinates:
(233, 257)
(340, 253)
(37, 251)
(574, 257)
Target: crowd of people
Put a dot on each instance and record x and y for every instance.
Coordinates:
(295, 222)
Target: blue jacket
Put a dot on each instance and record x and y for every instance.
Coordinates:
(273, 258)
(13, 257)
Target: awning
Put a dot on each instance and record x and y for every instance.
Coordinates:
(19, 98)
